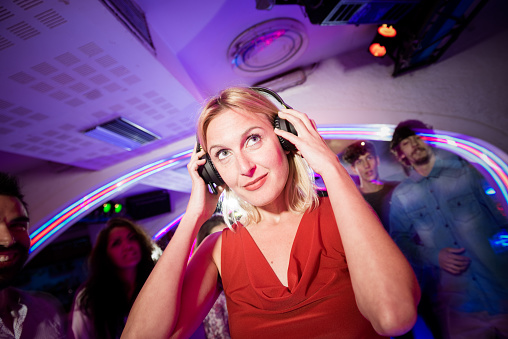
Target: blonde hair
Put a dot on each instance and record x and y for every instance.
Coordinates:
(300, 191)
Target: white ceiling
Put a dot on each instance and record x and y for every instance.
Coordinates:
(70, 65)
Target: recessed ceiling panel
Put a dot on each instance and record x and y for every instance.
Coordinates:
(268, 47)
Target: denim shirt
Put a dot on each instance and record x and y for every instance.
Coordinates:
(449, 208)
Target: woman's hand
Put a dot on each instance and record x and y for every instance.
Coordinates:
(375, 263)
(311, 146)
(201, 200)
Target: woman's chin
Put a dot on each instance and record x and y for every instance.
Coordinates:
(261, 198)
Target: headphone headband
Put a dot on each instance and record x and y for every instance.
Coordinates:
(273, 94)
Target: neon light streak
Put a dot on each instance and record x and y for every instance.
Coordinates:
(490, 191)
(167, 228)
(503, 240)
(170, 226)
(101, 194)
(469, 150)
(489, 161)
(499, 242)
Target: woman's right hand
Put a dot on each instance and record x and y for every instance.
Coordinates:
(201, 201)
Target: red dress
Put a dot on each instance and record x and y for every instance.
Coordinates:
(319, 300)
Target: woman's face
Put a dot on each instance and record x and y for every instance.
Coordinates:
(248, 155)
(123, 248)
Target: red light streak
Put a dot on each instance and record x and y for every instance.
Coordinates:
(84, 204)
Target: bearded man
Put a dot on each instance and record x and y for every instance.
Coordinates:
(442, 220)
(22, 314)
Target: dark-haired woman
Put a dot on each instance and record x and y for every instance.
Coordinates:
(119, 264)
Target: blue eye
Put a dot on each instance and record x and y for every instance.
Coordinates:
(253, 139)
(222, 154)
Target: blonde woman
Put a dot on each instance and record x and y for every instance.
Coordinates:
(293, 265)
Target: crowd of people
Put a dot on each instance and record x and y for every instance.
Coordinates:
(362, 261)
(119, 264)
(442, 220)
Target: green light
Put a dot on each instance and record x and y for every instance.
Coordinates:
(118, 208)
(106, 207)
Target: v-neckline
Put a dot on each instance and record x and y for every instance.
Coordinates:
(291, 252)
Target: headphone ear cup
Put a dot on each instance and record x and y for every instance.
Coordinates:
(288, 127)
(209, 173)
(216, 178)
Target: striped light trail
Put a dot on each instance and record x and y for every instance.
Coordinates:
(464, 146)
(91, 200)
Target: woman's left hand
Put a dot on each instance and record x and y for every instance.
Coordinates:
(311, 146)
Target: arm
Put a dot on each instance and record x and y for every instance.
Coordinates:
(384, 284)
(200, 289)
(174, 289)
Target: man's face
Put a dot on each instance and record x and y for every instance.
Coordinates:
(414, 150)
(366, 167)
(14, 238)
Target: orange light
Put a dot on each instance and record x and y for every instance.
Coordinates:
(377, 50)
(387, 31)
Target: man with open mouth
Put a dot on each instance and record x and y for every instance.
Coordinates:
(22, 314)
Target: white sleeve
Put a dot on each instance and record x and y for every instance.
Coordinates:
(81, 324)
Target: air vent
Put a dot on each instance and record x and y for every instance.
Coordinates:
(23, 30)
(123, 133)
(5, 13)
(342, 12)
(27, 4)
(4, 43)
(50, 18)
(132, 17)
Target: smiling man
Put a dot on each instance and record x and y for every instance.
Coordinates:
(22, 314)
(442, 204)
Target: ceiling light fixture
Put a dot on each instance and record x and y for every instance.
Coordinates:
(267, 47)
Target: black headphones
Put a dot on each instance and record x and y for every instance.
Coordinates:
(208, 171)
